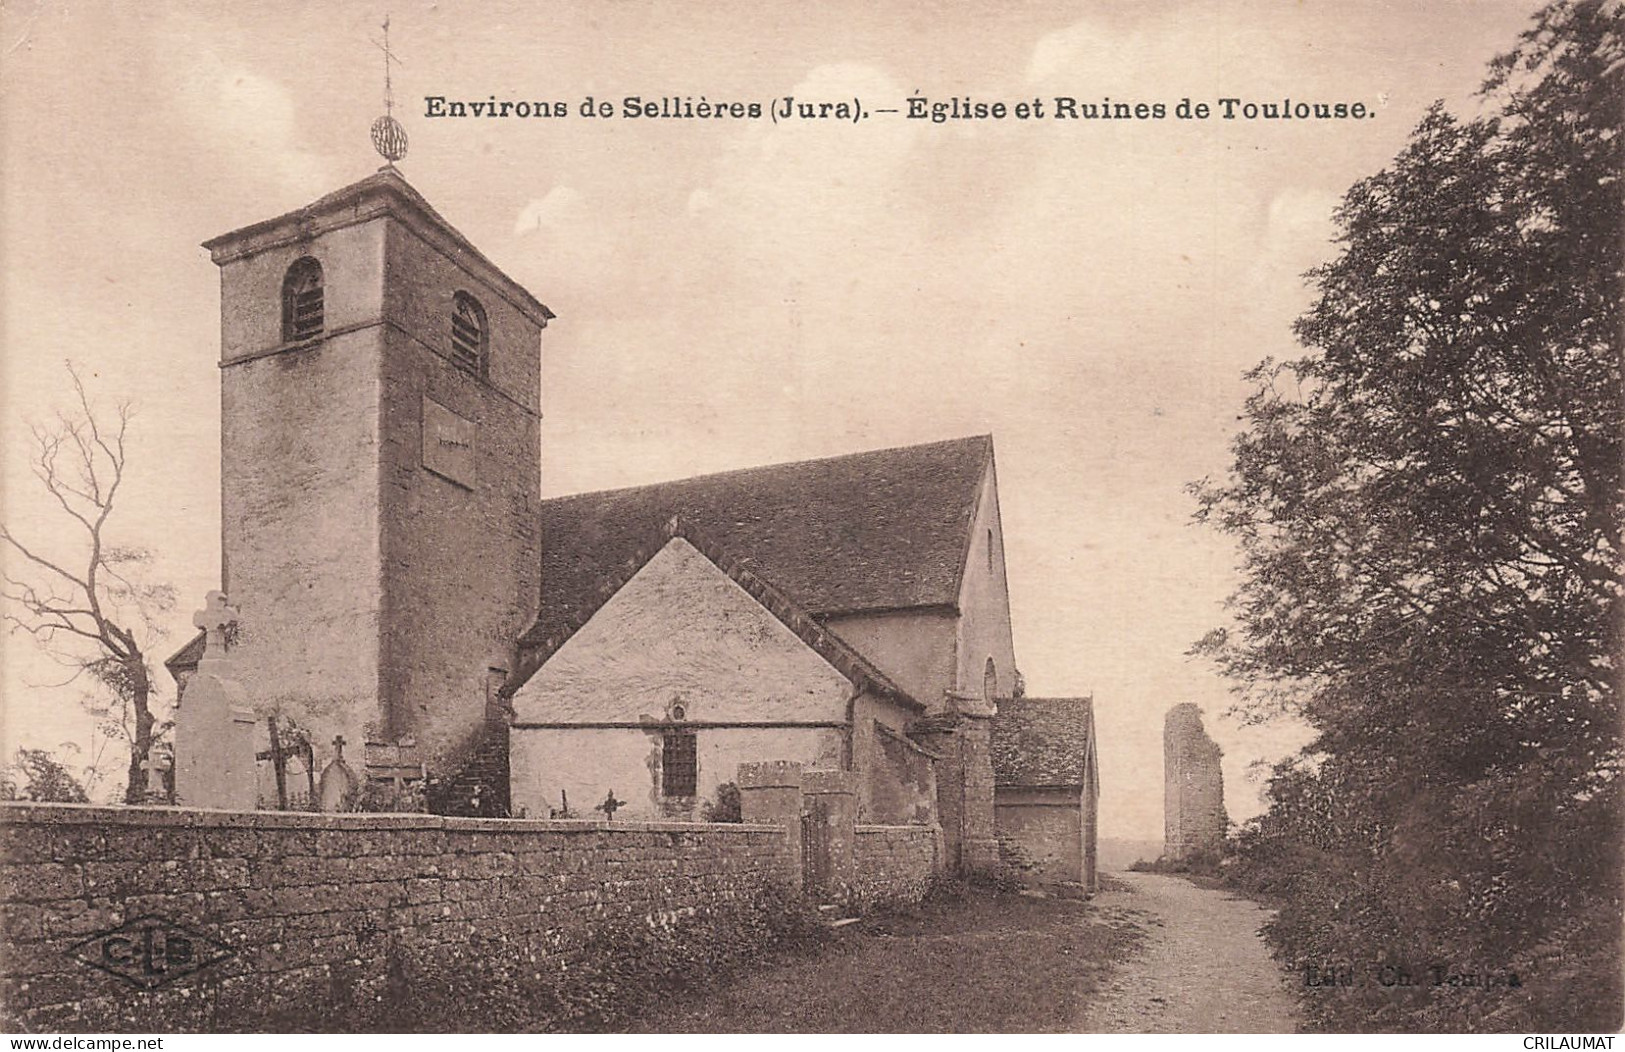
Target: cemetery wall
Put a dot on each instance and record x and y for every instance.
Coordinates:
(110, 917)
(896, 864)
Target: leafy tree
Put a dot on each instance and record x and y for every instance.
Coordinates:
(1429, 509)
(87, 609)
(36, 775)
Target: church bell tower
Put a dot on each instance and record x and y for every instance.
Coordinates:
(380, 472)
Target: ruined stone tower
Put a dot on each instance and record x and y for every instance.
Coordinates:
(380, 418)
(1193, 786)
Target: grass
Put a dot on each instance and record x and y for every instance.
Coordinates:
(977, 962)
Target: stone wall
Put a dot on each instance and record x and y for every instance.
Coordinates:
(467, 544)
(896, 864)
(319, 915)
(1193, 786)
(983, 630)
(1041, 833)
(900, 783)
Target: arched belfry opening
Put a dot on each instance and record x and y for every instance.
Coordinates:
(303, 309)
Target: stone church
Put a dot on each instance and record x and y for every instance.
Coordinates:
(411, 616)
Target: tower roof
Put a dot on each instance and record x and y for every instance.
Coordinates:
(385, 192)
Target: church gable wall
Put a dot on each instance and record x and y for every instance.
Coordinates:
(915, 648)
(984, 601)
(580, 766)
(681, 631)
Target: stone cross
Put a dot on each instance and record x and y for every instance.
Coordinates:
(214, 728)
(213, 619)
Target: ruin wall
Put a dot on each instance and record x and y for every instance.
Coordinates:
(1193, 790)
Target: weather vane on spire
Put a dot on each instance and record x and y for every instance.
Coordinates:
(388, 137)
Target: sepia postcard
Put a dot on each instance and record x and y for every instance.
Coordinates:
(633, 517)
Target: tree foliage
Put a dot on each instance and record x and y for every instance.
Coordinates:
(1429, 509)
(36, 775)
(78, 594)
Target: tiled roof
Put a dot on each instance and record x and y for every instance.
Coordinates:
(821, 640)
(1042, 741)
(186, 658)
(882, 530)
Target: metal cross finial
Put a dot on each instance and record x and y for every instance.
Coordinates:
(389, 56)
(388, 137)
(213, 619)
(338, 747)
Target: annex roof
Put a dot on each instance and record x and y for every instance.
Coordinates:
(883, 530)
(1042, 741)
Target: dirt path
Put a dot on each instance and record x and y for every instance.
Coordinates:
(1202, 968)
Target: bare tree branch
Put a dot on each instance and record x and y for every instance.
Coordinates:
(105, 619)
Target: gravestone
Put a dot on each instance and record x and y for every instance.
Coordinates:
(338, 785)
(214, 729)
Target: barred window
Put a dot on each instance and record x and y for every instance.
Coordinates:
(302, 311)
(679, 764)
(468, 333)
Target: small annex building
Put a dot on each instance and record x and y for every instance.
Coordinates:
(1047, 788)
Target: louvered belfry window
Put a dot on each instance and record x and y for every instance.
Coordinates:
(302, 309)
(468, 333)
(679, 764)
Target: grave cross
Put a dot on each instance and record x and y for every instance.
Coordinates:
(297, 747)
(213, 619)
(610, 806)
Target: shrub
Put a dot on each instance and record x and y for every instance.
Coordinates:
(726, 807)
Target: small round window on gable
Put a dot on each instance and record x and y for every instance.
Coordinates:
(468, 335)
(678, 712)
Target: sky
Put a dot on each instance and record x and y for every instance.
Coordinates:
(737, 292)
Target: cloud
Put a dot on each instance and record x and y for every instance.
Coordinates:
(1301, 225)
(1057, 52)
(246, 120)
(547, 212)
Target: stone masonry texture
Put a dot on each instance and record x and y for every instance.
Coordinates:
(318, 911)
(1193, 786)
(896, 864)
